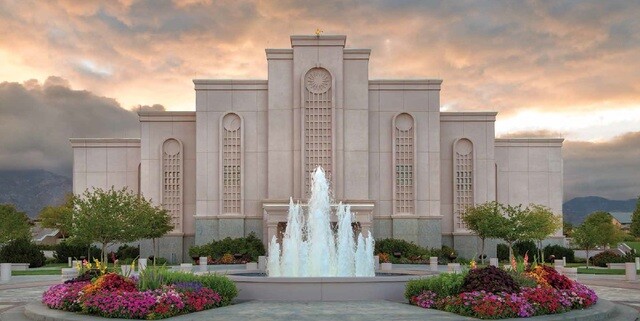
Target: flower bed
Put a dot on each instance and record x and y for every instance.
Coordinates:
(551, 293)
(162, 294)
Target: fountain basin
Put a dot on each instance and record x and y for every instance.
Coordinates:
(253, 285)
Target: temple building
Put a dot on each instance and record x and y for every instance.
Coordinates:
(408, 169)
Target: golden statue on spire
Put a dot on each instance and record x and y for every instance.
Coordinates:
(318, 32)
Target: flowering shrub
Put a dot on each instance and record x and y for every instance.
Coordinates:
(64, 296)
(548, 276)
(115, 296)
(111, 282)
(554, 293)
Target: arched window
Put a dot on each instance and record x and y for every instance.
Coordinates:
(172, 180)
(404, 164)
(318, 123)
(462, 179)
(231, 162)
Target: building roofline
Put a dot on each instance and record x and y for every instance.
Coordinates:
(104, 142)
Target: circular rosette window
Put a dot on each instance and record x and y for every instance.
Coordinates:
(318, 80)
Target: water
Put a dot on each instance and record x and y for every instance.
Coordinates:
(311, 249)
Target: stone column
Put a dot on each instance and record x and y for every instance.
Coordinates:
(494, 262)
(638, 263)
(433, 263)
(558, 264)
(202, 263)
(142, 264)
(5, 272)
(630, 271)
(262, 263)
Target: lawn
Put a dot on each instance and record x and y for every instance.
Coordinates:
(634, 245)
(601, 271)
(49, 269)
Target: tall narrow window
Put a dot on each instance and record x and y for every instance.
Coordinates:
(318, 123)
(404, 164)
(172, 180)
(462, 179)
(231, 160)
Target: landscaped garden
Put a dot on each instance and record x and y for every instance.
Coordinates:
(493, 293)
(155, 293)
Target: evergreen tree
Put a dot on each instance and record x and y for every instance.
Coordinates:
(635, 220)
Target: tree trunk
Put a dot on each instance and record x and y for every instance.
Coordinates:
(104, 252)
(587, 257)
(482, 250)
(155, 252)
(510, 251)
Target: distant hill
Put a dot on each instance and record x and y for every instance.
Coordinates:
(575, 210)
(31, 190)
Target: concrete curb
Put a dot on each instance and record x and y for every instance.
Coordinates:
(603, 310)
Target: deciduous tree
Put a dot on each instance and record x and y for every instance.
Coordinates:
(117, 216)
(13, 224)
(596, 230)
(58, 217)
(483, 220)
(635, 220)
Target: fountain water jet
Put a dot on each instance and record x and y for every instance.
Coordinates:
(310, 248)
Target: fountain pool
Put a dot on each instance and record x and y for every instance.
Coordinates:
(314, 263)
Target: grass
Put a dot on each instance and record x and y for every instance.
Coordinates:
(49, 269)
(634, 245)
(602, 271)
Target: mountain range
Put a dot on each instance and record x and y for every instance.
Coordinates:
(31, 190)
(576, 209)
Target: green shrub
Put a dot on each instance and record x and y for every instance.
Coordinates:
(525, 247)
(502, 252)
(602, 258)
(442, 285)
(559, 252)
(158, 261)
(127, 252)
(22, 250)
(489, 279)
(408, 251)
(216, 282)
(74, 250)
(250, 247)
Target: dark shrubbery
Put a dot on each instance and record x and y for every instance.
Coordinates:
(602, 258)
(22, 251)
(411, 253)
(249, 247)
(443, 285)
(489, 279)
(502, 252)
(73, 250)
(525, 247)
(127, 252)
(559, 252)
(406, 250)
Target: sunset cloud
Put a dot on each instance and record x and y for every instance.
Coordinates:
(567, 67)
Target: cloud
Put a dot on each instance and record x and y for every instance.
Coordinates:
(37, 120)
(608, 169)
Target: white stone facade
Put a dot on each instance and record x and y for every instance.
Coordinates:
(229, 168)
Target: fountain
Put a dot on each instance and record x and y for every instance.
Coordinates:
(314, 263)
(311, 249)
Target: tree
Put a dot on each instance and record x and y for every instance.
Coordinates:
(483, 219)
(567, 229)
(542, 223)
(155, 221)
(514, 227)
(596, 230)
(15, 224)
(635, 220)
(107, 217)
(58, 217)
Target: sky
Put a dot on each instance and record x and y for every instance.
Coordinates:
(550, 68)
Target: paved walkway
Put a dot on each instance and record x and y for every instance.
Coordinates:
(25, 289)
